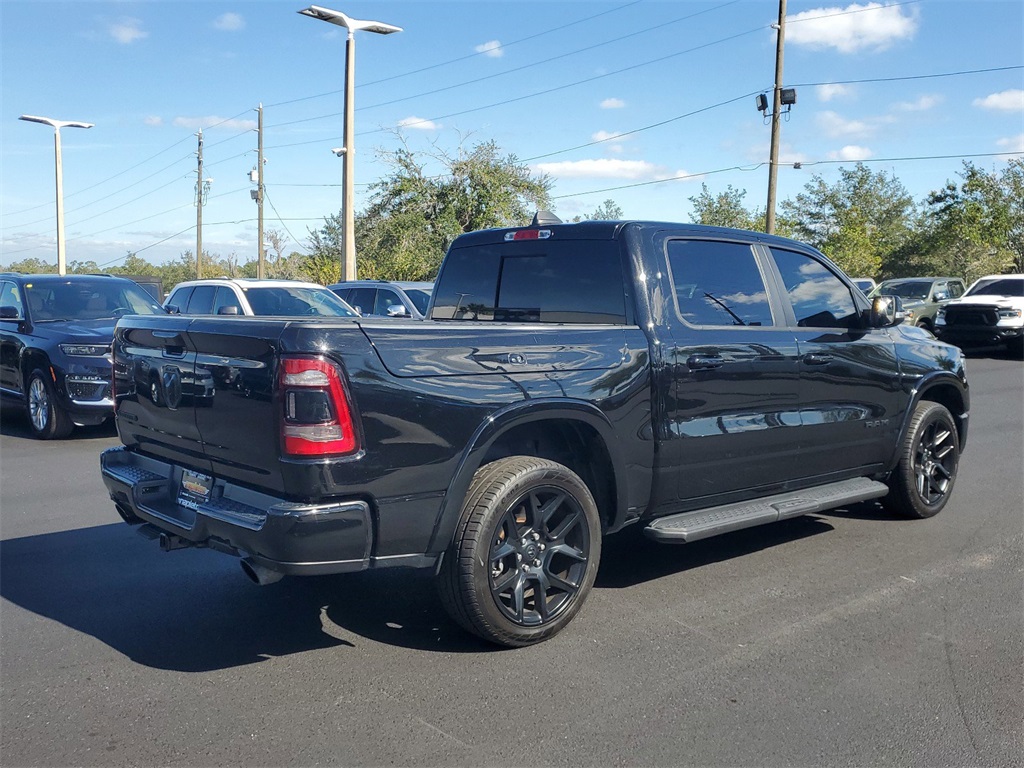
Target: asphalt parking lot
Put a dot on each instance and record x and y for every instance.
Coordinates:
(845, 639)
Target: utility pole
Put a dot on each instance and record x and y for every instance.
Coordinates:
(261, 263)
(773, 164)
(200, 200)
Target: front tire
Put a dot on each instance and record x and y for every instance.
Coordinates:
(525, 553)
(923, 480)
(46, 418)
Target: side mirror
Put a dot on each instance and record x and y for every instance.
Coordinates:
(887, 311)
(8, 312)
(228, 311)
(397, 310)
(173, 309)
(940, 296)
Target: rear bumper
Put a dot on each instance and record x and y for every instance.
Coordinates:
(288, 537)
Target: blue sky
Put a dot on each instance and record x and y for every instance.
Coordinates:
(609, 98)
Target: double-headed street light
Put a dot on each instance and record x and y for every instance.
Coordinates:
(62, 267)
(348, 270)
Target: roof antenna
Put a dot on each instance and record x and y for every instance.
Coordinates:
(544, 217)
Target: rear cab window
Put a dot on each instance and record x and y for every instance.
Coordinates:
(549, 281)
(718, 284)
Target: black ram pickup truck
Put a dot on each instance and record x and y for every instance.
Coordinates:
(570, 380)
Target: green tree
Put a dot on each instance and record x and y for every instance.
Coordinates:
(725, 209)
(412, 216)
(609, 210)
(976, 227)
(859, 222)
(32, 266)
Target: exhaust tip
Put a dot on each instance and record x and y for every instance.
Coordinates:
(258, 574)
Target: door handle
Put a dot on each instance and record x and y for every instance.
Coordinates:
(165, 334)
(704, 362)
(818, 358)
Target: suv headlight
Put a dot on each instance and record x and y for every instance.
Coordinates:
(1009, 314)
(85, 350)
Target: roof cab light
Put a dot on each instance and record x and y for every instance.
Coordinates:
(316, 418)
(528, 234)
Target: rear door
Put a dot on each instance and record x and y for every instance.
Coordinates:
(849, 374)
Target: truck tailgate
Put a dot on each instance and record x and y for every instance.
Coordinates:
(199, 392)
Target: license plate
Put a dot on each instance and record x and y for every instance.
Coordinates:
(195, 489)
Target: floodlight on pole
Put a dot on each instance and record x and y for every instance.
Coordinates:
(347, 153)
(62, 268)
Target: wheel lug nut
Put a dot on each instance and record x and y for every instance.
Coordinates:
(526, 567)
(519, 557)
(541, 547)
(536, 563)
(536, 536)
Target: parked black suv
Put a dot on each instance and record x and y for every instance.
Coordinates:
(55, 334)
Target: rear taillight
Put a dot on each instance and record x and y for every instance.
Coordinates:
(316, 418)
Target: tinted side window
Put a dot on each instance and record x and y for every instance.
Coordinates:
(201, 302)
(362, 299)
(718, 283)
(226, 298)
(179, 298)
(385, 299)
(10, 296)
(956, 289)
(551, 282)
(820, 299)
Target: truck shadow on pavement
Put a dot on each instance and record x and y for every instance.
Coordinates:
(194, 611)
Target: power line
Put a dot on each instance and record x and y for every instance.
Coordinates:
(754, 167)
(503, 46)
(913, 77)
(616, 39)
(274, 208)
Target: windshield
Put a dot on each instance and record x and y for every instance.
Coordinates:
(419, 297)
(917, 289)
(88, 299)
(296, 300)
(998, 287)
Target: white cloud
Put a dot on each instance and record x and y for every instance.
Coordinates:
(922, 104)
(606, 136)
(831, 91)
(602, 168)
(418, 124)
(213, 121)
(229, 22)
(612, 103)
(851, 153)
(154, 120)
(1013, 143)
(492, 48)
(127, 31)
(1008, 101)
(834, 126)
(851, 29)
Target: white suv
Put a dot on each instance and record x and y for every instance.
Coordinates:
(990, 312)
(244, 296)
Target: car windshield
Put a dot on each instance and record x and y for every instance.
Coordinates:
(88, 299)
(296, 300)
(997, 287)
(419, 297)
(918, 289)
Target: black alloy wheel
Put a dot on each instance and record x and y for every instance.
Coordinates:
(525, 553)
(923, 480)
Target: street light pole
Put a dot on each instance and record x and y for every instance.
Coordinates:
(62, 267)
(348, 266)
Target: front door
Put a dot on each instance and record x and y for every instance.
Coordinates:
(849, 374)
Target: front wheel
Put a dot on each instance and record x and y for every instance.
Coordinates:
(45, 416)
(525, 553)
(923, 480)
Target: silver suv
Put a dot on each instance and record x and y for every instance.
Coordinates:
(381, 298)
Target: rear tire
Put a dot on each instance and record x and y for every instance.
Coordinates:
(46, 418)
(525, 552)
(920, 485)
